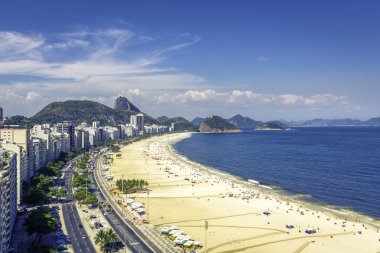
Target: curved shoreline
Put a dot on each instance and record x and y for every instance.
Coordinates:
(276, 191)
(186, 194)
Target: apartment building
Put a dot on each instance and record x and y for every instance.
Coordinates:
(8, 199)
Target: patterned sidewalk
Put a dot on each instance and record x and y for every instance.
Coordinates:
(158, 239)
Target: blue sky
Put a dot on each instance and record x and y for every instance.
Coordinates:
(264, 59)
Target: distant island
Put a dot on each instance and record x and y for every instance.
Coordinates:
(216, 124)
(270, 126)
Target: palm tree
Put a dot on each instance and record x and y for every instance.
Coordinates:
(111, 237)
(100, 237)
(105, 239)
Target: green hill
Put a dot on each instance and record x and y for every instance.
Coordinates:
(181, 124)
(244, 122)
(216, 124)
(83, 111)
(270, 126)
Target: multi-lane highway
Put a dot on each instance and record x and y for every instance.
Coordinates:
(122, 226)
(128, 234)
(78, 236)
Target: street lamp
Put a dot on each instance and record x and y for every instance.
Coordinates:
(206, 227)
(148, 211)
(125, 237)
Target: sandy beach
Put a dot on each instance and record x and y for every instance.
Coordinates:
(185, 194)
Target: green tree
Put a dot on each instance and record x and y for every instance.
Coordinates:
(61, 193)
(53, 169)
(111, 237)
(105, 238)
(35, 197)
(80, 195)
(131, 185)
(40, 222)
(42, 182)
(37, 247)
(90, 199)
(58, 193)
(70, 155)
(80, 180)
(115, 149)
(100, 238)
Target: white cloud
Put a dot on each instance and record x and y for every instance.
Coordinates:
(96, 65)
(251, 98)
(179, 46)
(13, 44)
(69, 43)
(31, 96)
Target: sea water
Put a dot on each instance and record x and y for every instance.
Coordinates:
(337, 166)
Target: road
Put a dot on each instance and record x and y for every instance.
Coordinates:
(72, 220)
(123, 227)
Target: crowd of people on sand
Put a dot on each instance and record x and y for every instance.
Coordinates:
(191, 174)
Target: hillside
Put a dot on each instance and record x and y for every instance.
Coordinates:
(244, 122)
(332, 122)
(270, 126)
(83, 111)
(181, 124)
(216, 124)
(122, 103)
(197, 121)
(162, 119)
(373, 122)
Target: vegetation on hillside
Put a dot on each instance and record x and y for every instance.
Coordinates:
(271, 125)
(216, 124)
(181, 124)
(83, 111)
(244, 122)
(77, 111)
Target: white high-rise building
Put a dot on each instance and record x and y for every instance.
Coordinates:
(1, 117)
(8, 200)
(20, 137)
(43, 133)
(39, 155)
(96, 124)
(22, 165)
(138, 122)
(82, 138)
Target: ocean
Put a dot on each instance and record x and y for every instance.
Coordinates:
(334, 166)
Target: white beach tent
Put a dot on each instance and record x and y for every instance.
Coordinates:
(188, 243)
(130, 201)
(178, 239)
(196, 243)
(172, 232)
(136, 205)
(164, 230)
(140, 210)
(182, 241)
